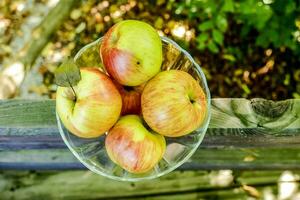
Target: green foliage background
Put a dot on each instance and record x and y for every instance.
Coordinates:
(274, 23)
(239, 30)
(248, 48)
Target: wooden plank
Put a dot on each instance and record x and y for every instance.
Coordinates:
(206, 159)
(48, 138)
(27, 113)
(243, 134)
(264, 115)
(228, 127)
(176, 185)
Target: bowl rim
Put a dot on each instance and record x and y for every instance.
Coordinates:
(172, 168)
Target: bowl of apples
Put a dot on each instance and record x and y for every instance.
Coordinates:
(132, 105)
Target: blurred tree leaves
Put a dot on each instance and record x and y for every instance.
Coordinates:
(228, 6)
(233, 41)
(259, 39)
(207, 25)
(221, 23)
(274, 21)
(218, 36)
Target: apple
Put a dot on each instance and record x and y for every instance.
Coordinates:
(131, 98)
(131, 52)
(95, 108)
(173, 103)
(132, 146)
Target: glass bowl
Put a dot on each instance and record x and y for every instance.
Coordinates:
(92, 153)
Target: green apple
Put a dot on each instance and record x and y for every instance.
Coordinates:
(132, 146)
(95, 108)
(131, 52)
(173, 103)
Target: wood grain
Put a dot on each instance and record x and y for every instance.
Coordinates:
(243, 134)
(77, 185)
(262, 114)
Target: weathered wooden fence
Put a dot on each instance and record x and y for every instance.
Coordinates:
(243, 134)
(187, 185)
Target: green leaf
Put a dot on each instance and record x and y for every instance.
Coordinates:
(201, 46)
(206, 25)
(221, 23)
(229, 57)
(212, 47)
(179, 9)
(218, 36)
(290, 7)
(296, 95)
(67, 74)
(228, 6)
(245, 88)
(202, 37)
(263, 40)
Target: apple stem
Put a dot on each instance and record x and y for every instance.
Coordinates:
(75, 96)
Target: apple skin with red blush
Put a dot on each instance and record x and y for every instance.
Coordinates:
(131, 98)
(133, 147)
(173, 103)
(95, 109)
(131, 52)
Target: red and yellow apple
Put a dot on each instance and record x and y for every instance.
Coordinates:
(131, 98)
(96, 107)
(131, 52)
(132, 146)
(173, 103)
